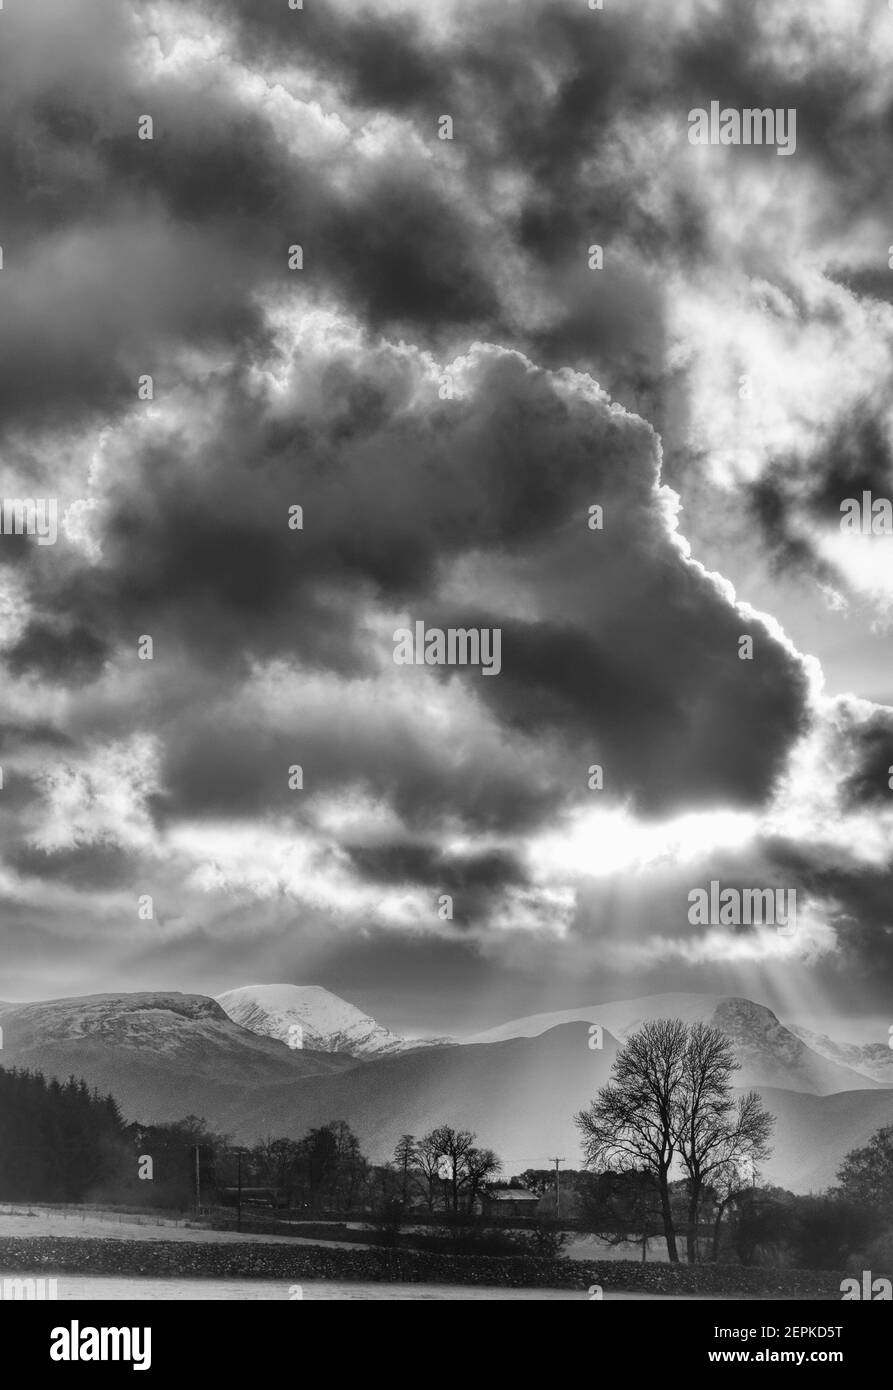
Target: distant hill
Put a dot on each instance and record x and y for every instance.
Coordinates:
(814, 1133)
(520, 1096)
(770, 1053)
(162, 1055)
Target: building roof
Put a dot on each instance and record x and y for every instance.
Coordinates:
(510, 1194)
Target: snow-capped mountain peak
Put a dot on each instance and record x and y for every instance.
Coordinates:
(327, 1022)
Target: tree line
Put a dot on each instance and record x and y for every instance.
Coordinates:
(58, 1140)
(62, 1142)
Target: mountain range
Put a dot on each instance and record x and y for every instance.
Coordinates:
(770, 1054)
(519, 1085)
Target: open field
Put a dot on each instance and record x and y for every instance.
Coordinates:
(25, 1221)
(21, 1219)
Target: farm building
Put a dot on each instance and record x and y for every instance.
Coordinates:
(507, 1201)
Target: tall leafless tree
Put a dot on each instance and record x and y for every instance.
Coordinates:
(454, 1146)
(428, 1162)
(714, 1131)
(633, 1122)
(480, 1166)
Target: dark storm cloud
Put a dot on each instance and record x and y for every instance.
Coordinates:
(630, 653)
(73, 655)
(118, 251)
(863, 929)
(614, 70)
(857, 899)
(96, 282)
(644, 708)
(857, 458)
(228, 766)
(795, 495)
(393, 243)
(409, 253)
(86, 867)
(383, 60)
(870, 283)
(769, 504)
(870, 754)
(19, 735)
(390, 493)
(414, 863)
(607, 72)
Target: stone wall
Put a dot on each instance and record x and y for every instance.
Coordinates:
(183, 1259)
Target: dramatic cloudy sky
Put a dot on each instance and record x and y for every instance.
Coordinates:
(446, 388)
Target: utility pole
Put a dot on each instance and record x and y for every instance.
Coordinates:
(405, 1150)
(239, 1194)
(198, 1183)
(556, 1161)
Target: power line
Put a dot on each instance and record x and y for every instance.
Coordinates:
(556, 1161)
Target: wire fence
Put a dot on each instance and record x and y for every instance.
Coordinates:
(70, 1211)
